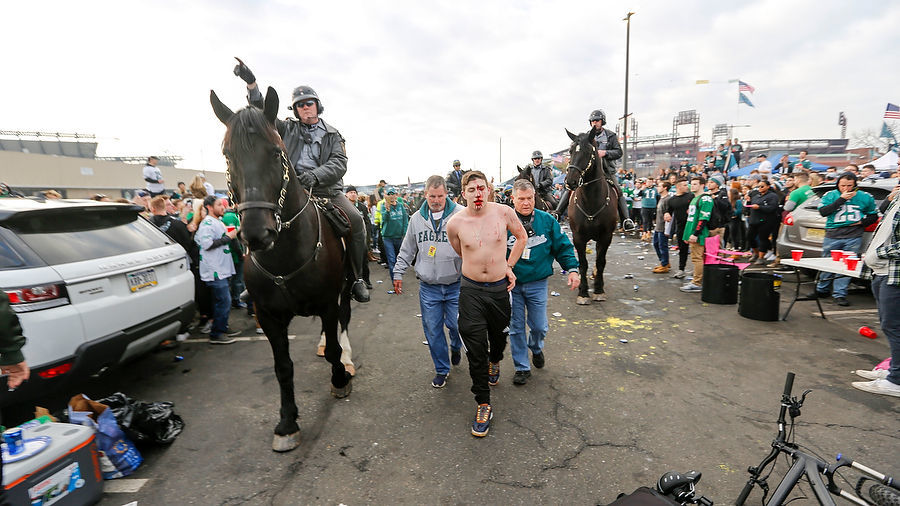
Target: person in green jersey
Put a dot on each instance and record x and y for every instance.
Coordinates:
(696, 231)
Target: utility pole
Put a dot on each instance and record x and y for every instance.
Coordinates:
(627, 19)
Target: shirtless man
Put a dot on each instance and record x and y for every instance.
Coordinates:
(478, 234)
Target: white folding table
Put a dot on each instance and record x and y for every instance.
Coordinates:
(820, 265)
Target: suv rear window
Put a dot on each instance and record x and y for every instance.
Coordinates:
(85, 235)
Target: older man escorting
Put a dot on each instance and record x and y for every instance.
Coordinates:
(438, 270)
(478, 235)
(545, 243)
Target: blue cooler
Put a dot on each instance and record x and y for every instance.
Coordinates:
(59, 465)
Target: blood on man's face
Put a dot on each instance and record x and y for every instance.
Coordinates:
(476, 192)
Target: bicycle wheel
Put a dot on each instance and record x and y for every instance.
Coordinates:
(883, 495)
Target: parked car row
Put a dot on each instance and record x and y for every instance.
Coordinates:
(94, 284)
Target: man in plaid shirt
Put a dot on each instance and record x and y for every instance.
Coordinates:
(883, 257)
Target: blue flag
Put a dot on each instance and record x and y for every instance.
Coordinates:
(886, 132)
(742, 99)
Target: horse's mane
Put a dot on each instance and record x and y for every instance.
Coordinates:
(245, 125)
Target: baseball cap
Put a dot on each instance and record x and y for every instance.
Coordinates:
(350, 188)
(391, 191)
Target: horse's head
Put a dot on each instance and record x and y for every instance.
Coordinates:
(258, 172)
(525, 173)
(582, 158)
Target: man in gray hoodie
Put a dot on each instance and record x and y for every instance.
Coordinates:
(438, 269)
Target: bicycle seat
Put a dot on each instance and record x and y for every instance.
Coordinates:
(672, 481)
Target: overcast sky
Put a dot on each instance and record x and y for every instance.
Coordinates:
(414, 85)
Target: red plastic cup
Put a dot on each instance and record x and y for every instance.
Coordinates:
(851, 263)
(837, 255)
(229, 228)
(847, 254)
(796, 254)
(867, 332)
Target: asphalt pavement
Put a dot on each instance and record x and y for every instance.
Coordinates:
(650, 381)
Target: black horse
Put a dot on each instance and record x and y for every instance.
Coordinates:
(539, 203)
(297, 264)
(592, 209)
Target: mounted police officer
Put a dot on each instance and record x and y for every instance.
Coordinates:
(609, 149)
(454, 181)
(543, 178)
(316, 151)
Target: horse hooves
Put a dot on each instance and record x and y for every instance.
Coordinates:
(340, 393)
(599, 297)
(286, 443)
(583, 301)
(320, 351)
(349, 368)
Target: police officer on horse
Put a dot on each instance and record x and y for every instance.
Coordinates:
(543, 178)
(316, 152)
(608, 149)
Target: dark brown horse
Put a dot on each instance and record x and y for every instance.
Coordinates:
(297, 263)
(592, 209)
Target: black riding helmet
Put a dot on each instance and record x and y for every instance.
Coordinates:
(597, 114)
(537, 154)
(302, 93)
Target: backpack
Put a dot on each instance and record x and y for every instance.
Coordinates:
(721, 213)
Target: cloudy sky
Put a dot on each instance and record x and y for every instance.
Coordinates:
(413, 85)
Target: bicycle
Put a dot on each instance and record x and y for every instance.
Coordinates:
(680, 487)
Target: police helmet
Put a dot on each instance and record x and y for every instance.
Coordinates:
(537, 154)
(302, 93)
(598, 115)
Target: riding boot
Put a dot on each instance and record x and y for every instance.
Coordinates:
(563, 203)
(356, 246)
(627, 224)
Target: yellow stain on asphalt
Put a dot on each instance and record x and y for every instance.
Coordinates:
(621, 389)
(653, 347)
(725, 468)
(607, 353)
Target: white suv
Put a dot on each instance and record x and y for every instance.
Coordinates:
(93, 283)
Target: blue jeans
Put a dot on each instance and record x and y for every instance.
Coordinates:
(221, 306)
(661, 245)
(531, 298)
(888, 299)
(827, 279)
(440, 308)
(236, 282)
(391, 248)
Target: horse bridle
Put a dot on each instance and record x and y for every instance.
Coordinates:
(262, 204)
(581, 184)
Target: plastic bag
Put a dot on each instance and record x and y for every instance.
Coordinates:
(118, 455)
(145, 422)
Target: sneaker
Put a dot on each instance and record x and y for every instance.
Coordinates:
(182, 337)
(455, 356)
(878, 386)
(816, 295)
(260, 331)
(538, 359)
(493, 373)
(207, 328)
(521, 377)
(230, 332)
(360, 292)
(368, 284)
(872, 374)
(769, 256)
(439, 380)
(679, 274)
(223, 339)
(661, 269)
(760, 261)
(691, 288)
(245, 296)
(239, 305)
(482, 423)
(841, 301)
(775, 263)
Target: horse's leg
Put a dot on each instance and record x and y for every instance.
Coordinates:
(344, 337)
(581, 249)
(287, 432)
(602, 246)
(340, 378)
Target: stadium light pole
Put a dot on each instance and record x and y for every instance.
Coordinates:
(627, 19)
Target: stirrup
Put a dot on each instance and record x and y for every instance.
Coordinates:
(628, 225)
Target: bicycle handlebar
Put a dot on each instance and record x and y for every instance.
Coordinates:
(788, 385)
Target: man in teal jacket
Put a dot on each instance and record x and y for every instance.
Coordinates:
(546, 243)
(394, 219)
(438, 269)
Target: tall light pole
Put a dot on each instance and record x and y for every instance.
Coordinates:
(627, 19)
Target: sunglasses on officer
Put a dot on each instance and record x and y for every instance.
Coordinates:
(308, 103)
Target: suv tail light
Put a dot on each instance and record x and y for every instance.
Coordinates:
(872, 227)
(35, 298)
(56, 371)
(788, 219)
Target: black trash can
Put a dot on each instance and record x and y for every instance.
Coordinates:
(759, 300)
(720, 284)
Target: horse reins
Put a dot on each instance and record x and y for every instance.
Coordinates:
(581, 184)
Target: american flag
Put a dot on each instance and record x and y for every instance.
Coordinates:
(892, 112)
(742, 86)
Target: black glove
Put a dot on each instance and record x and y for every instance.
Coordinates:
(244, 72)
(307, 179)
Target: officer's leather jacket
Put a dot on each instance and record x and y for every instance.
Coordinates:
(543, 178)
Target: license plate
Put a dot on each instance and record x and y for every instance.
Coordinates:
(141, 279)
(816, 234)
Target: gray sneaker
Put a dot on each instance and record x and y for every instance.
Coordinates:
(222, 339)
(207, 328)
(678, 274)
(872, 374)
(691, 288)
(880, 386)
